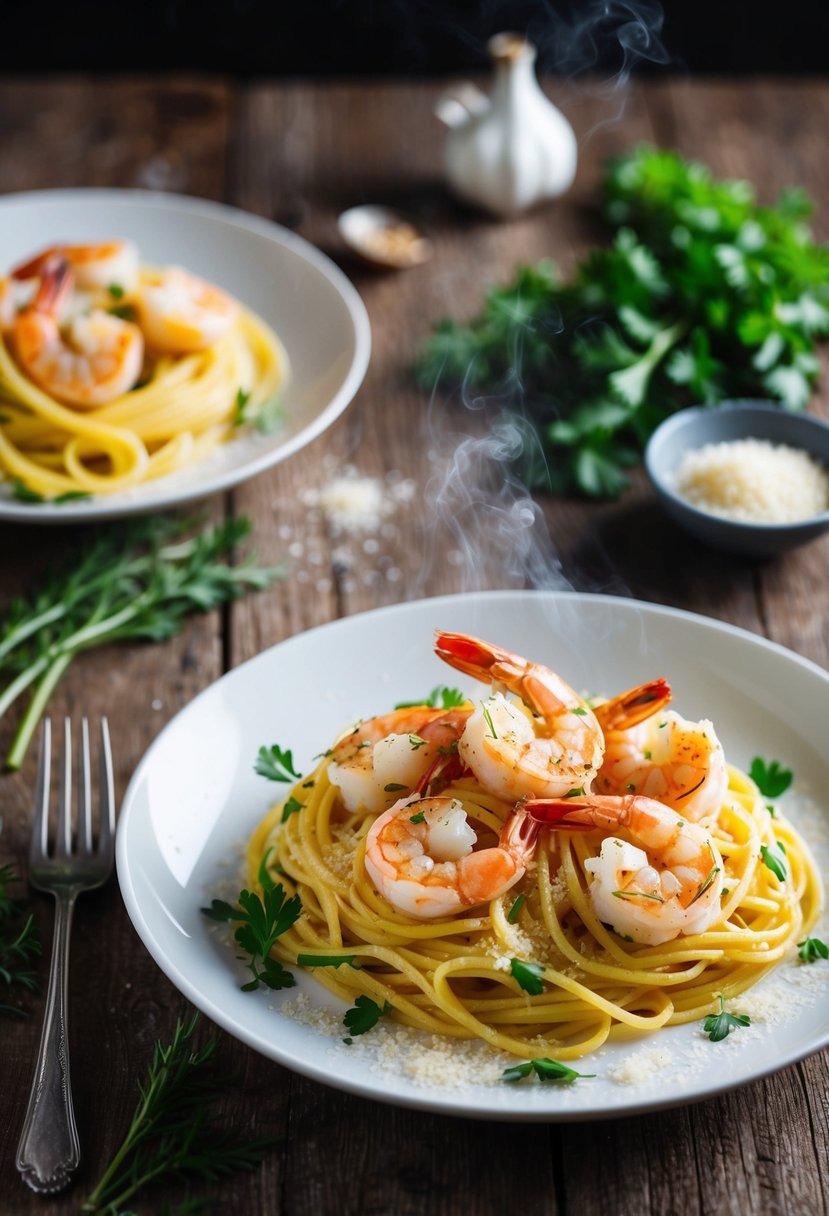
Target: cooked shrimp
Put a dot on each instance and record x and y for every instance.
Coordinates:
(420, 856)
(110, 266)
(180, 313)
(664, 756)
(14, 297)
(662, 882)
(98, 359)
(401, 750)
(512, 754)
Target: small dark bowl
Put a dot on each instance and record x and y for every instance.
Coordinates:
(692, 428)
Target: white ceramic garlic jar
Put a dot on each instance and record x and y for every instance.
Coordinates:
(513, 149)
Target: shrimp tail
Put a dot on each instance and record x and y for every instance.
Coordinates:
(519, 835)
(445, 769)
(474, 657)
(569, 814)
(34, 268)
(630, 708)
(56, 284)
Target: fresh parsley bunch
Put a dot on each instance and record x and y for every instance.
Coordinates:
(702, 295)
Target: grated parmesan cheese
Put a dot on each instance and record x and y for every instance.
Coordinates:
(753, 481)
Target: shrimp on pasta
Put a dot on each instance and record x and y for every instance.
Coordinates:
(662, 756)
(547, 748)
(665, 881)
(421, 855)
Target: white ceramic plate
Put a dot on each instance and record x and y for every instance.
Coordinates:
(195, 797)
(314, 309)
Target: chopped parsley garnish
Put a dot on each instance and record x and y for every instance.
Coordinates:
(579, 710)
(116, 291)
(770, 777)
(415, 742)
(394, 787)
(576, 793)
(719, 1025)
(811, 949)
(290, 808)
(242, 398)
(270, 417)
(774, 857)
(327, 960)
(515, 910)
(364, 1014)
(712, 874)
(420, 817)
(488, 720)
(528, 976)
(276, 764)
(261, 922)
(638, 895)
(545, 1069)
(441, 697)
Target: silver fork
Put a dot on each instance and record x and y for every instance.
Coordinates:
(49, 1152)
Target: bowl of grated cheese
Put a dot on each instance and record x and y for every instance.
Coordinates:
(745, 476)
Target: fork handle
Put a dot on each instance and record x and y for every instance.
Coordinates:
(49, 1151)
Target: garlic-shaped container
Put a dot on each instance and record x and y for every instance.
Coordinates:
(513, 149)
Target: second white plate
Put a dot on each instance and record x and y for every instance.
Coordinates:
(309, 302)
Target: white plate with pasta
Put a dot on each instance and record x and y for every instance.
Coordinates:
(155, 349)
(432, 1012)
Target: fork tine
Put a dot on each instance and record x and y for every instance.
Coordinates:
(63, 844)
(84, 792)
(107, 833)
(40, 827)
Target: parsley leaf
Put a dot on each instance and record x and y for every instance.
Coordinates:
(242, 398)
(327, 960)
(545, 1069)
(275, 764)
(261, 921)
(774, 857)
(365, 1014)
(515, 910)
(811, 949)
(719, 1025)
(291, 807)
(771, 778)
(441, 697)
(528, 975)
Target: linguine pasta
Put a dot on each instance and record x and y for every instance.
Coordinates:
(455, 977)
(183, 408)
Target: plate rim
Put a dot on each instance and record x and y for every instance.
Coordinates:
(430, 1100)
(103, 508)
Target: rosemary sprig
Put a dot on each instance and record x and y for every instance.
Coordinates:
(139, 582)
(174, 1132)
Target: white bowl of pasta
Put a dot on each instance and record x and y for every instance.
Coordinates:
(166, 348)
(472, 1009)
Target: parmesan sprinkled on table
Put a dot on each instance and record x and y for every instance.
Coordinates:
(753, 481)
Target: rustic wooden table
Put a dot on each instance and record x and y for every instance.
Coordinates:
(298, 153)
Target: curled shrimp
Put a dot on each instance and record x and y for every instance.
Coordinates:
(420, 855)
(109, 266)
(557, 748)
(662, 756)
(97, 359)
(181, 313)
(401, 750)
(663, 881)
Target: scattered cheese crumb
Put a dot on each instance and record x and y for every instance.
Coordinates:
(753, 481)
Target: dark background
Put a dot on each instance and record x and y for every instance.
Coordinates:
(413, 37)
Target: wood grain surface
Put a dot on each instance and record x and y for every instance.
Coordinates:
(299, 153)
